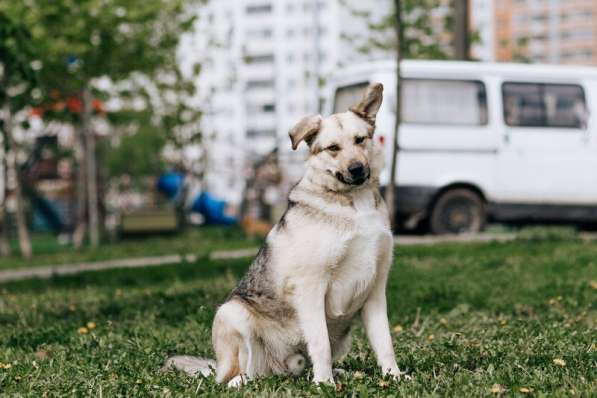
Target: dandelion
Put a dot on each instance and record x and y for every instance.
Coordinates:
(497, 389)
(525, 390)
(430, 337)
(358, 375)
(383, 383)
(91, 325)
(593, 285)
(5, 366)
(83, 330)
(559, 362)
(398, 328)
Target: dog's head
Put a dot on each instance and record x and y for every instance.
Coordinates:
(342, 152)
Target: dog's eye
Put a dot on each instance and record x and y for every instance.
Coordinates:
(359, 140)
(333, 148)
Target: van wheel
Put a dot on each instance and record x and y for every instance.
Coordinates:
(458, 211)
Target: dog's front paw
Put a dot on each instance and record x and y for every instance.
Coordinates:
(324, 380)
(238, 381)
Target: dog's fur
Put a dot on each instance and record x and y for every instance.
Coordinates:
(324, 262)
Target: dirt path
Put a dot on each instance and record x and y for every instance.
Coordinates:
(49, 271)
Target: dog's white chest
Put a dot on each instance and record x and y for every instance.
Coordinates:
(353, 278)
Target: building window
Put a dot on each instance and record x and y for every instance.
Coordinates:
(260, 33)
(260, 84)
(578, 34)
(251, 133)
(260, 59)
(259, 9)
(253, 109)
(544, 105)
(449, 102)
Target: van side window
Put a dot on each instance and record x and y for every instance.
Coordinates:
(544, 105)
(347, 96)
(448, 102)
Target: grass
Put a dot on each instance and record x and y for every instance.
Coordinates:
(491, 319)
(197, 241)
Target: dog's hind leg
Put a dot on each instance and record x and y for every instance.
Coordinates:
(257, 360)
(341, 347)
(227, 342)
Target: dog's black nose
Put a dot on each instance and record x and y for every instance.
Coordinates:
(356, 169)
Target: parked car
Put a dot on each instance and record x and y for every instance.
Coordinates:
(485, 141)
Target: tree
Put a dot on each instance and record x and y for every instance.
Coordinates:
(425, 23)
(93, 40)
(17, 80)
(165, 118)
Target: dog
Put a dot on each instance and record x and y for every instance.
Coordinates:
(325, 262)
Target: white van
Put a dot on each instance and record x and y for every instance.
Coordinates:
(485, 141)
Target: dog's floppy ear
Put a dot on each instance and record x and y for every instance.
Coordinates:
(305, 130)
(369, 105)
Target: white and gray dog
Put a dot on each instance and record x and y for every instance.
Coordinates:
(324, 262)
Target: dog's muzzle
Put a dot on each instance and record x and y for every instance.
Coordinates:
(357, 174)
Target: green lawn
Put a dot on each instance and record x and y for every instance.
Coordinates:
(197, 241)
(509, 319)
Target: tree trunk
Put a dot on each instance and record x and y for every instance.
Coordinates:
(461, 30)
(81, 228)
(90, 157)
(4, 227)
(23, 232)
(391, 188)
(4, 244)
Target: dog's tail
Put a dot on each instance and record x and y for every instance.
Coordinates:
(193, 366)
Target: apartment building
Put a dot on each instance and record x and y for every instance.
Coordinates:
(264, 66)
(545, 31)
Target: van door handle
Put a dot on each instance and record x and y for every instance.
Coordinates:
(506, 138)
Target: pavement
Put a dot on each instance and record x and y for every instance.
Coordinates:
(50, 271)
